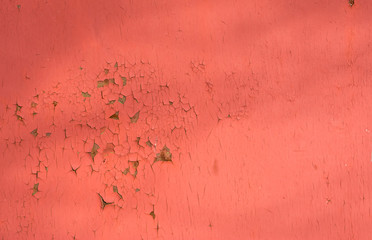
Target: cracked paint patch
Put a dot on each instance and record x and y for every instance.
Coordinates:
(83, 136)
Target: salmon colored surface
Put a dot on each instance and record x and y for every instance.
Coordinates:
(185, 119)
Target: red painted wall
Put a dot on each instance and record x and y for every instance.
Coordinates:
(265, 107)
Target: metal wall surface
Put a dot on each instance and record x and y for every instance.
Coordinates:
(185, 119)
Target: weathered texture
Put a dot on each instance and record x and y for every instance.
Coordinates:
(185, 119)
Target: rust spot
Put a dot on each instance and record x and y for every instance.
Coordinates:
(85, 94)
(105, 82)
(165, 155)
(115, 189)
(34, 132)
(148, 143)
(115, 116)
(33, 104)
(152, 213)
(135, 117)
(126, 171)
(19, 118)
(94, 151)
(135, 165)
(122, 99)
(124, 80)
(102, 83)
(35, 189)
